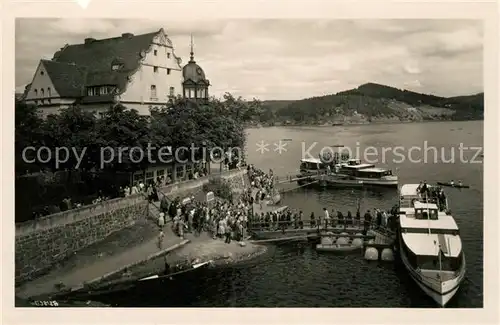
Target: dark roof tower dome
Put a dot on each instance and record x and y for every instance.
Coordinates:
(192, 71)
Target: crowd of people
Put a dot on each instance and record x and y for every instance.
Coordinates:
(293, 218)
(220, 218)
(432, 194)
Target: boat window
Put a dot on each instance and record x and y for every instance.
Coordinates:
(431, 214)
(453, 232)
(426, 262)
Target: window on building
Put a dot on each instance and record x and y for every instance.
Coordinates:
(169, 173)
(168, 71)
(36, 92)
(104, 90)
(172, 91)
(155, 69)
(155, 52)
(42, 93)
(115, 67)
(138, 177)
(153, 91)
(149, 176)
(49, 92)
(91, 91)
(180, 172)
(42, 73)
(168, 55)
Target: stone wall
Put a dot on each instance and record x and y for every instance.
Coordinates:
(193, 187)
(42, 243)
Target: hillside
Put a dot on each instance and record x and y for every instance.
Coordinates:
(373, 103)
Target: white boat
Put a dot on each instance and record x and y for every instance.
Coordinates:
(369, 174)
(430, 245)
(343, 168)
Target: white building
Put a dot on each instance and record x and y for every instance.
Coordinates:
(138, 71)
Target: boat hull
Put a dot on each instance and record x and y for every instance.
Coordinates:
(441, 292)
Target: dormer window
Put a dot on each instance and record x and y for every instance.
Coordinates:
(117, 64)
(97, 91)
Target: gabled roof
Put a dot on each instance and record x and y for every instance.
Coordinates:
(98, 55)
(76, 66)
(68, 79)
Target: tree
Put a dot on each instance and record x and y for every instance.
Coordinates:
(122, 136)
(28, 132)
(213, 124)
(74, 130)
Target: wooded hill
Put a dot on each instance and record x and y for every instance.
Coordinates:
(371, 103)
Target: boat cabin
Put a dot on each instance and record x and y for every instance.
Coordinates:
(426, 235)
(353, 162)
(425, 211)
(354, 170)
(373, 173)
(312, 164)
(409, 195)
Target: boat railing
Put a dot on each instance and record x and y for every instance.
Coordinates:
(333, 224)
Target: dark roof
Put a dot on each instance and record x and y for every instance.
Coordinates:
(192, 71)
(90, 64)
(68, 79)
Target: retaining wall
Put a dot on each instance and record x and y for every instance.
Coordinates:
(40, 244)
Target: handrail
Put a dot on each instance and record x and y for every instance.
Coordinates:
(321, 225)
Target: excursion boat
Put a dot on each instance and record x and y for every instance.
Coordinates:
(369, 174)
(345, 171)
(429, 244)
(309, 170)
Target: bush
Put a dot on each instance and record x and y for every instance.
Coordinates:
(220, 187)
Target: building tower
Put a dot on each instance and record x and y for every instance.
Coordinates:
(195, 85)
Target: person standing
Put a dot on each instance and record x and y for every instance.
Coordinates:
(327, 217)
(161, 220)
(367, 221)
(379, 218)
(384, 219)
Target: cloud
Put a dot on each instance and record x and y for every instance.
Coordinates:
(291, 59)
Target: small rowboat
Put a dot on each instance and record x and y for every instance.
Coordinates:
(337, 248)
(453, 185)
(176, 274)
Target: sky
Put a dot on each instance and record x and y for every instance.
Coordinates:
(294, 58)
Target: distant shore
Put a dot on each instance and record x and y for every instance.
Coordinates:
(335, 124)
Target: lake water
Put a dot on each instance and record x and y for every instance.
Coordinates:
(298, 276)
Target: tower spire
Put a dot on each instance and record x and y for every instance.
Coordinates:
(192, 51)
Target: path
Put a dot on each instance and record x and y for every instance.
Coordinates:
(91, 265)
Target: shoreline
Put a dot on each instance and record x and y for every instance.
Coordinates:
(298, 125)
